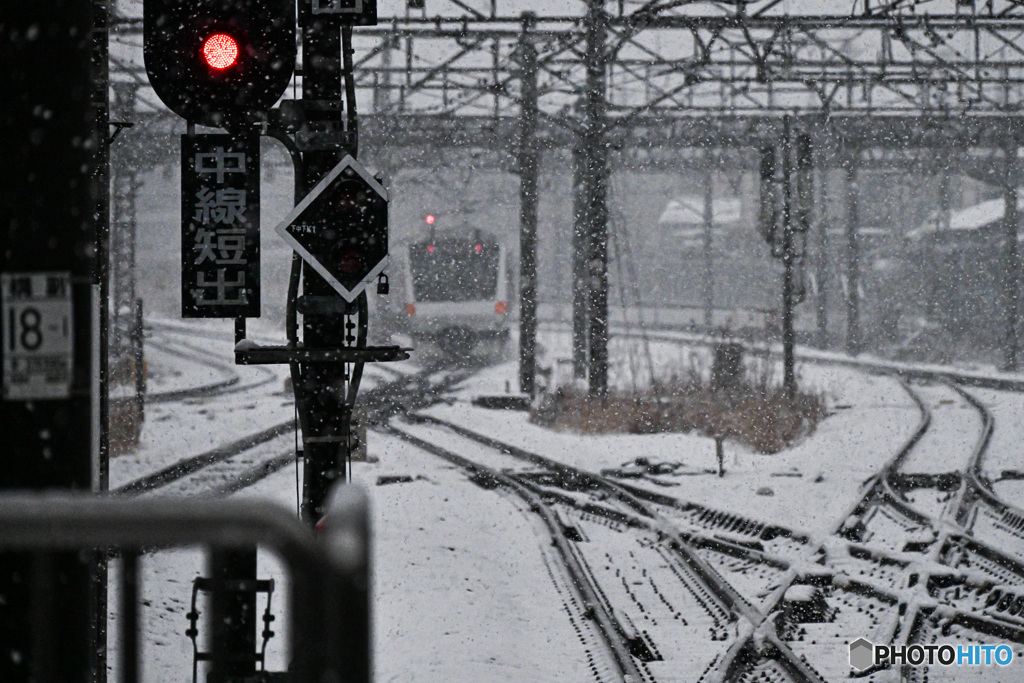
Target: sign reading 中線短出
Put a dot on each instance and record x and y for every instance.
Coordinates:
(220, 226)
(37, 335)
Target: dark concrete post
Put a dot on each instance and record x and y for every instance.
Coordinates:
(528, 170)
(1011, 260)
(708, 282)
(595, 172)
(53, 267)
(853, 338)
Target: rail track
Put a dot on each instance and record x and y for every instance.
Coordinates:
(231, 467)
(656, 575)
(924, 555)
(229, 380)
(927, 553)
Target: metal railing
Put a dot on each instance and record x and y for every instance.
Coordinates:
(329, 573)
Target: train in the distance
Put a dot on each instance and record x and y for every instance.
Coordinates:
(456, 292)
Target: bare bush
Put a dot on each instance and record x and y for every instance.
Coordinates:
(755, 412)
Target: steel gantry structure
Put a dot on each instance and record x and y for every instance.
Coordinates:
(656, 77)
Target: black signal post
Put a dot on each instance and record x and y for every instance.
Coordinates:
(323, 387)
(222, 63)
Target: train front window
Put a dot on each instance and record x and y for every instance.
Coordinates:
(454, 271)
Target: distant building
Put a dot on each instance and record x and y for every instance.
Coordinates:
(956, 267)
(977, 217)
(686, 216)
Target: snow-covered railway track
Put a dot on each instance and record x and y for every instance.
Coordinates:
(680, 598)
(918, 518)
(231, 464)
(928, 553)
(236, 465)
(229, 380)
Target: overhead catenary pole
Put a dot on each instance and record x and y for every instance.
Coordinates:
(528, 170)
(1011, 260)
(594, 147)
(788, 261)
(708, 282)
(853, 334)
(823, 220)
(581, 213)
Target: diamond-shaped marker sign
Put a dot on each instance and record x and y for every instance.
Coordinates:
(341, 228)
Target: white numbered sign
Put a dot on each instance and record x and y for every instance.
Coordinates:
(37, 335)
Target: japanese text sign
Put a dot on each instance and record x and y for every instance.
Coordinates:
(220, 226)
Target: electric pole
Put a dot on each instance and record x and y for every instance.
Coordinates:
(1011, 259)
(594, 148)
(529, 157)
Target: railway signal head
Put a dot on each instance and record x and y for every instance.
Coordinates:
(341, 228)
(219, 63)
(768, 217)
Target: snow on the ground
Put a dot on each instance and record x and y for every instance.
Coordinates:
(807, 487)
(178, 429)
(465, 586)
(169, 368)
(463, 578)
(183, 428)
(1004, 451)
(865, 361)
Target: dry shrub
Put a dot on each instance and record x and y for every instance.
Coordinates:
(125, 411)
(755, 412)
(125, 425)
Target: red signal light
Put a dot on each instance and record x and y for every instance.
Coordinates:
(350, 199)
(479, 248)
(351, 261)
(220, 51)
(430, 249)
(430, 219)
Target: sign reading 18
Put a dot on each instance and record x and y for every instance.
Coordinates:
(30, 337)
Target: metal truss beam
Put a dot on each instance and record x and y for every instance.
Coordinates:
(890, 74)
